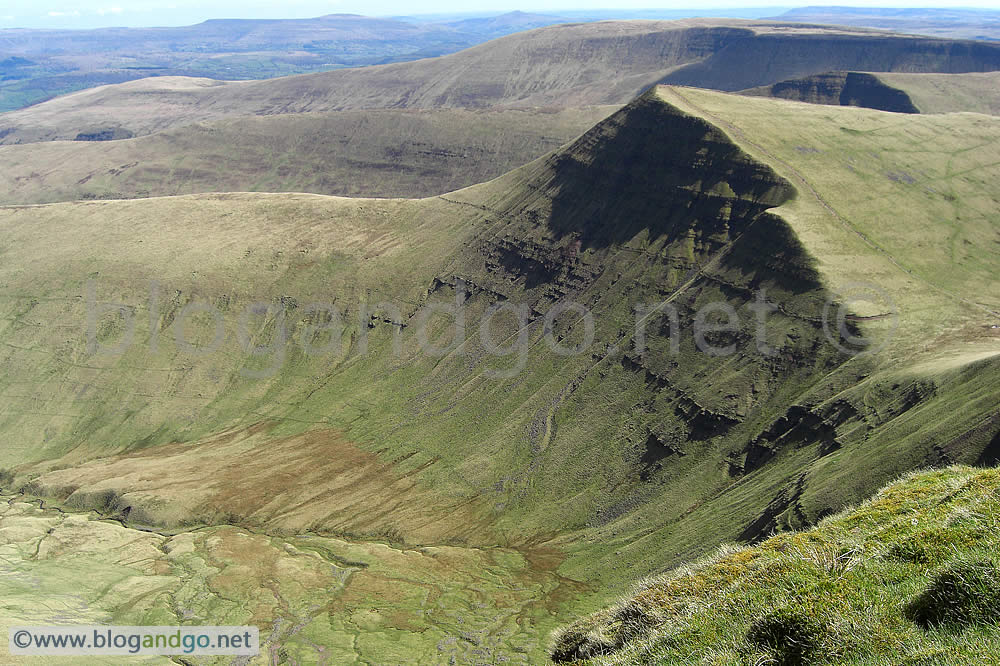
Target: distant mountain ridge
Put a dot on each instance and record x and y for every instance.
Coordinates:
(562, 66)
(63, 61)
(58, 61)
(964, 23)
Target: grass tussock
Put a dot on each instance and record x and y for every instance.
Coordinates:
(961, 594)
(791, 635)
(906, 578)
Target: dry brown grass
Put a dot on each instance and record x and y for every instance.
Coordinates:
(314, 481)
(378, 153)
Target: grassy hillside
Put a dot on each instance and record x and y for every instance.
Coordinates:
(898, 92)
(908, 577)
(601, 466)
(40, 64)
(377, 153)
(608, 62)
(944, 93)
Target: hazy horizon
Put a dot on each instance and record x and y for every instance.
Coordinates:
(89, 14)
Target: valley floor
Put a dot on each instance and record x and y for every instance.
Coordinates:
(317, 600)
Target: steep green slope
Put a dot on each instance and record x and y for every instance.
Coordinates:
(377, 153)
(618, 461)
(531, 244)
(908, 577)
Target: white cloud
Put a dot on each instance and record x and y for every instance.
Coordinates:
(59, 14)
(110, 10)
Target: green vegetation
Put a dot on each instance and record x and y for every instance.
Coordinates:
(593, 469)
(964, 593)
(948, 93)
(792, 636)
(314, 597)
(837, 594)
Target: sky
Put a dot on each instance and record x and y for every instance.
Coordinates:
(103, 13)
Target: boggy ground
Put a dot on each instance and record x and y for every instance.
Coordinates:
(317, 600)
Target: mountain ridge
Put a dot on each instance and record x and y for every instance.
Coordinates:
(566, 65)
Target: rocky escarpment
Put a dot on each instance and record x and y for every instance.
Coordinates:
(841, 89)
(104, 134)
(767, 59)
(658, 207)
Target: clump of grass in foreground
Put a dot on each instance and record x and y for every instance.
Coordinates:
(906, 578)
(962, 594)
(793, 636)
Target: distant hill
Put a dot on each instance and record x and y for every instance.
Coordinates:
(958, 23)
(39, 64)
(563, 66)
(505, 24)
(36, 65)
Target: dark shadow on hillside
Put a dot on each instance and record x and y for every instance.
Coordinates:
(843, 89)
(990, 457)
(771, 250)
(652, 167)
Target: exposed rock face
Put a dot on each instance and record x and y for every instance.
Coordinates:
(765, 59)
(652, 206)
(841, 89)
(106, 134)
